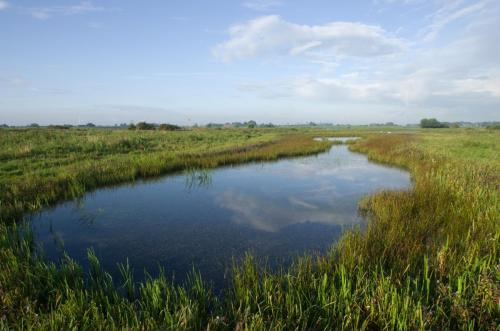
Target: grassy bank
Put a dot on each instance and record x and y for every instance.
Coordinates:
(42, 166)
(428, 259)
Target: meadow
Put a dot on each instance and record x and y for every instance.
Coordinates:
(428, 259)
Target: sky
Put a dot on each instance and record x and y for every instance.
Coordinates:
(280, 61)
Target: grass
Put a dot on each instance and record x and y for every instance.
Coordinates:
(427, 260)
(43, 166)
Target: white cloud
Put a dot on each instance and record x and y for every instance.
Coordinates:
(271, 35)
(329, 89)
(262, 5)
(43, 13)
(484, 85)
(445, 77)
(457, 76)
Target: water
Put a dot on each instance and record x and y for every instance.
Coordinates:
(341, 139)
(276, 210)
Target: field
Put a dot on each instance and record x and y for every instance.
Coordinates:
(429, 258)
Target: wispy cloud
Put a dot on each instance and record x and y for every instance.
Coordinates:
(3, 4)
(22, 84)
(262, 5)
(271, 35)
(450, 12)
(44, 13)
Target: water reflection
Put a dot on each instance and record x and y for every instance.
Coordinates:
(264, 214)
(201, 219)
(340, 139)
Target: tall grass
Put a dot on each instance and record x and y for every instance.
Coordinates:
(87, 159)
(427, 260)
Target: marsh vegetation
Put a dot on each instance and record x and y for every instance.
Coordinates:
(427, 259)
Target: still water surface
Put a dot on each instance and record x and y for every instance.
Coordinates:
(276, 210)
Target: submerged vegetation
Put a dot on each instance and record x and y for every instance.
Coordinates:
(427, 260)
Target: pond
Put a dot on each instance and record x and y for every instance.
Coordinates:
(276, 210)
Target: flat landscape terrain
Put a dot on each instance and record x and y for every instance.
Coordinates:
(428, 257)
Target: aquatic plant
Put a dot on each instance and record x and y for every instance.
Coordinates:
(197, 178)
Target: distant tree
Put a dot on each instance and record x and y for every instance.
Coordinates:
(34, 125)
(4, 126)
(432, 123)
(145, 126)
(454, 125)
(131, 126)
(60, 127)
(169, 127)
(90, 125)
(251, 124)
(389, 124)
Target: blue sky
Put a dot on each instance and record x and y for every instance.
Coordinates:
(268, 60)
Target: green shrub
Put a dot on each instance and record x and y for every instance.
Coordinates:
(432, 123)
(168, 127)
(145, 126)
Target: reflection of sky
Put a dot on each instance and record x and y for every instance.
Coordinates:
(323, 189)
(272, 215)
(293, 204)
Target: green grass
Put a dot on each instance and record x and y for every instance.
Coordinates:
(42, 166)
(427, 260)
(478, 146)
